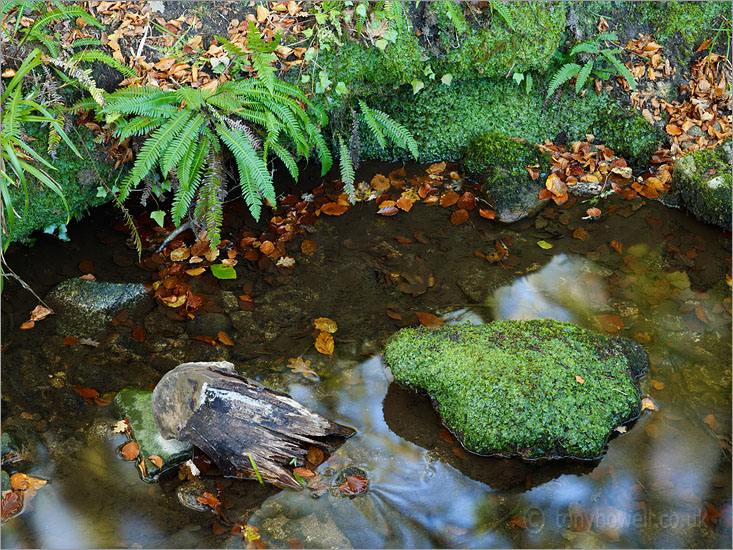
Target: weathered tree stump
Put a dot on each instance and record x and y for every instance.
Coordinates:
(232, 418)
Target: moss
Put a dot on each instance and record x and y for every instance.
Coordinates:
(77, 178)
(490, 48)
(629, 134)
(512, 387)
(703, 180)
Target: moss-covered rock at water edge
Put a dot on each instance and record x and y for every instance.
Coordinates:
(500, 163)
(629, 134)
(703, 181)
(136, 404)
(536, 389)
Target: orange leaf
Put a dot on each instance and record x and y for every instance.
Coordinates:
(446, 436)
(404, 203)
(303, 472)
(593, 212)
(581, 234)
(130, 451)
(315, 456)
(519, 521)
(196, 271)
(459, 216)
(380, 183)
(267, 247)
(307, 246)
(617, 246)
(325, 324)
(486, 213)
(449, 199)
(23, 482)
(224, 338)
(656, 384)
(27, 325)
(86, 393)
(155, 459)
(429, 320)
(88, 277)
(324, 343)
(39, 312)
(555, 185)
(209, 500)
(333, 209)
(579, 380)
(611, 323)
(673, 130)
(710, 421)
(467, 201)
(12, 504)
(139, 334)
(354, 485)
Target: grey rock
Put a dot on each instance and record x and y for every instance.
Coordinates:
(229, 301)
(208, 324)
(83, 308)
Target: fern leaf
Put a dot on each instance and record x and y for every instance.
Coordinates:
(565, 73)
(583, 76)
(373, 126)
(209, 205)
(265, 71)
(585, 47)
(66, 13)
(87, 41)
(190, 173)
(152, 150)
(621, 68)
(455, 14)
(95, 55)
(324, 155)
(399, 135)
(284, 155)
(345, 163)
(142, 101)
(180, 143)
(255, 42)
(506, 15)
(254, 177)
(137, 126)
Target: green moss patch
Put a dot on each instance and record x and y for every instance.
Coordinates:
(136, 404)
(703, 181)
(630, 135)
(537, 389)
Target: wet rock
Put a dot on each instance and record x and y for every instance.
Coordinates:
(83, 308)
(229, 301)
(629, 134)
(237, 421)
(208, 324)
(535, 389)
(499, 163)
(6, 481)
(703, 181)
(189, 492)
(157, 322)
(245, 322)
(135, 404)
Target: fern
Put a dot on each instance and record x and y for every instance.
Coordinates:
(400, 135)
(209, 204)
(345, 163)
(585, 47)
(180, 144)
(373, 126)
(566, 72)
(583, 76)
(190, 174)
(506, 15)
(621, 68)
(455, 14)
(95, 55)
(87, 41)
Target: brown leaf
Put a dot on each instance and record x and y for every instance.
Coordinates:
(23, 482)
(380, 183)
(155, 459)
(657, 385)
(325, 324)
(303, 472)
(196, 271)
(648, 404)
(354, 485)
(267, 247)
(486, 213)
(459, 216)
(180, 254)
(710, 421)
(130, 451)
(581, 234)
(139, 334)
(611, 323)
(449, 199)
(519, 521)
(617, 246)
(555, 185)
(429, 320)
(69, 341)
(579, 380)
(11, 504)
(324, 343)
(404, 203)
(27, 325)
(86, 393)
(315, 456)
(593, 212)
(223, 337)
(333, 209)
(446, 436)
(209, 500)
(39, 312)
(302, 367)
(307, 246)
(673, 130)
(467, 201)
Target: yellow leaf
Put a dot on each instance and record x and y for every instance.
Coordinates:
(555, 185)
(648, 404)
(155, 459)
(324, 343)
(325, 324)
(180, 254)
(196, 271)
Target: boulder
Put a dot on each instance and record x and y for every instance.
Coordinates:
(135, 404)
(499, 163)
(83, 308)
(534, 389)
(703, 181)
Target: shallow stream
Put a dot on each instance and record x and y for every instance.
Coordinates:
(664, 483)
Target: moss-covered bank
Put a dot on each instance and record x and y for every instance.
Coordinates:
(538, 389)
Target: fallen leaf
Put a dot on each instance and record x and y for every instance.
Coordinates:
(354, 485)
(267, 247)
(209, 500)
(555, 185)
(467, 201)
(389, 210)
(139, 334)
(404, 203)
(611, 323)
(673, 130)
(27, 325)
(436, 168)
(303, 472)
(487, 213)
(648, 404)
(39, 312)
(11, 505)
(155, 459)
(449, 199)
(130, 450)
(307, 246)
(23, 482)
(446, 436)
(657, 385)
(325, 324)
(519, 521)
(621, 429)
(223, 337)
(459, 216)
(581, 234)
(86, 393)
(617, 246)
(120, 427)
(579, 380)
(710, 421)
(333, 209)
(299, 366)
(380, 183)
(429, 320)
(544, 245)
(196, 271)
(593, 212)
(315, 456)
(324, 343)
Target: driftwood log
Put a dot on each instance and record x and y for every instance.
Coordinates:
(232, 418)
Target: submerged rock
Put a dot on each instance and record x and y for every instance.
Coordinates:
(535, 389)
(83, 308)
(135, 404)
(500, 163)
(703, 181)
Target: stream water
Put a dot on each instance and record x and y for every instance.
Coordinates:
(664, 483)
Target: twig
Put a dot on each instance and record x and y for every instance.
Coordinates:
(142, 42)
(15, 276)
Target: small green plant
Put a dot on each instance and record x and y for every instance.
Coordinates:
(256, 470)
(601, 62)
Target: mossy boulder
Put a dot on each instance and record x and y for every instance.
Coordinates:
(535, 389)
(136, 404)
(703, 181)
(629, 134)
(83, 308)
(500, 163)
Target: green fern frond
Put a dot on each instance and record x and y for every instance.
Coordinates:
(373, 126)
(87, 41)
(255, 42)
(506, 15)
(142, 101)
(397, 133)
(608, 35)
(209, 209)
(194, 98)
(345, 163)
(190, 173)
(265, 71)
(89, 56)
(85, 104)
(283, 154)
(180, 143)
(137, 126)
(324, 154)
(621, 68)
(583, 76)
(455, 14)
(152, 150)
(585, 47)
(565, 73)
(65, 13)
(254, 177)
